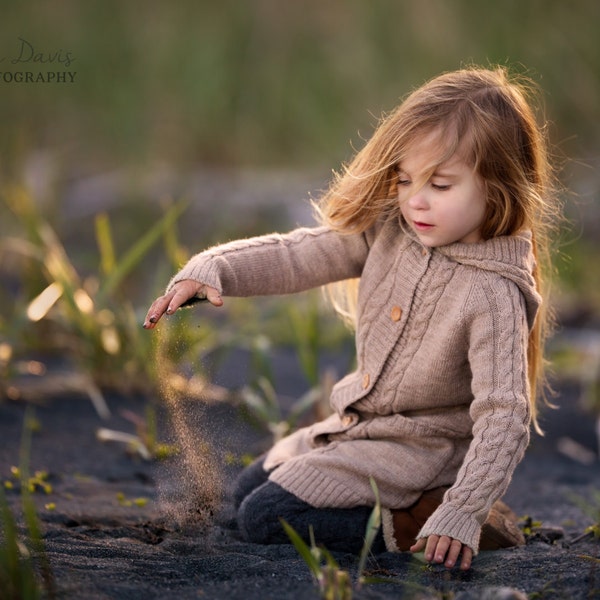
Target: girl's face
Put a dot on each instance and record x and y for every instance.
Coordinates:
(450, 206)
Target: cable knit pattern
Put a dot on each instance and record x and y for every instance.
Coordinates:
(278, 264)
(440, 394)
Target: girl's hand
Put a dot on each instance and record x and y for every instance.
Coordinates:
(180, 293)
(444, 550)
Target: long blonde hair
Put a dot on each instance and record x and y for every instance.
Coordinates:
(492, 116)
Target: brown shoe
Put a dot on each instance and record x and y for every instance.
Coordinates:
(408, 521)
(499, 531)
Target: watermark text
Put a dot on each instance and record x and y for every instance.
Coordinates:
(28, 63)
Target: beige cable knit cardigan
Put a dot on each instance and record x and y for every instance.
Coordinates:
(440, 393)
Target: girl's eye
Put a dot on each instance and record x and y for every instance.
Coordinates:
(403, 181)
(440, 187)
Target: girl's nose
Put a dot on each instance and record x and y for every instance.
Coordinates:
(418, 201)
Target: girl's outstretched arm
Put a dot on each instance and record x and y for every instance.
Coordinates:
(444, 550)
(179, 294)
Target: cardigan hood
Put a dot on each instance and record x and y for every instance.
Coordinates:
(510, 257)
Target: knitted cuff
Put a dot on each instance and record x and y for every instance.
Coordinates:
(204, 269)
(446, 520)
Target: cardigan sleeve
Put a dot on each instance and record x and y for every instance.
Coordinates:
(500, 412)
(278, 264)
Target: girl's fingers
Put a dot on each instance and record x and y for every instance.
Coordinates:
(213, 296)
(467, 558)
(157, 310)
(419, 545)
(453, 553)
(180, 294)
(445, 550)
(441, 549)
(431, 548)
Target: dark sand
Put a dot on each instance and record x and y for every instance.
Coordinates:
(99, 548)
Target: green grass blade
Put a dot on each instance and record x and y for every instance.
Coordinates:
(303, 550)
(104, 240)
(36, 539)
(139, 250)
(45, 245)
(305, 328)
(176, 253)
(14, 571)
(373, 526)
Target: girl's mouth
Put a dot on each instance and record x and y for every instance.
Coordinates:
(419, 226)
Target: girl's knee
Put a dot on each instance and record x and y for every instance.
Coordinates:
(260, 513)
(252, 477)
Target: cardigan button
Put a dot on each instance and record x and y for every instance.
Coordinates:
(396, 313)
(346, 420)
(365, 381)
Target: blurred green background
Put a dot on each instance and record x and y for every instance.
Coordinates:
(267, 82)
(241, 109)
(244, 107)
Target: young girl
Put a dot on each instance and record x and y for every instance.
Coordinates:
(438, 231)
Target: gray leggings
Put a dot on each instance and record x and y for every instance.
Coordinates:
(262, 503)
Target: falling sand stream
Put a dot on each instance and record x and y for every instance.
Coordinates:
(194, 489)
